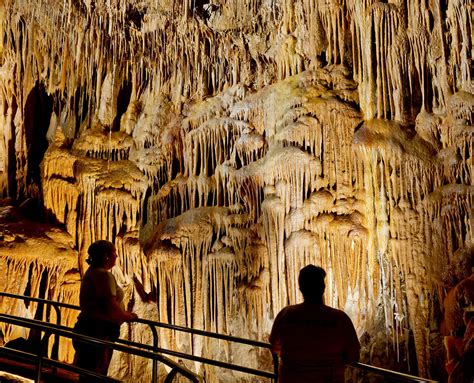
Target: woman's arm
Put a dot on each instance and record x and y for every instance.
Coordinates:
(106, 291)
(116, 314)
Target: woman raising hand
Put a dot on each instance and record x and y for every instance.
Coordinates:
(102, 309)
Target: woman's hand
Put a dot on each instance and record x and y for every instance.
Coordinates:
(116, 314)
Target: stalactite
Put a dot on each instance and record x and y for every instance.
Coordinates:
(255, 297)
(273, 212)
(62, 198)
(301, 248)
(6, 120)
(166, 270)
(219, 270)
(18, 272)
(69, 293)
(459, 20)
(112, 147)
(40, 277)
(332, 16)
(288, 165)
(449, 208)
(115, 208)
(379, 72)
(209, 146)
(167, 202)
(225, 192)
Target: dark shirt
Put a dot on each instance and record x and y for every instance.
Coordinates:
(314, 341)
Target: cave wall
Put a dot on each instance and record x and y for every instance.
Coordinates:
(223, 145)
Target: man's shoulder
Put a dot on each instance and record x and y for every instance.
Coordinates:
(337, 313)
(293, 308)
(334, 310)
(304, 309)
(290, 309)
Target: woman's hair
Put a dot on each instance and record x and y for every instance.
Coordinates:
(311, 282)
(99, 251)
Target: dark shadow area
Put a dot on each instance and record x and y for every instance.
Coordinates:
(123, 100)
(80, 103)
(12, 165)
(37, 112)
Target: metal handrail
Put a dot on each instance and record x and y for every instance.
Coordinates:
(152, 325)
(56, 306)
(32, 359)
(201, 359)
(390, 373)
(49, 329)
(40, 300)
(173, 353)
(210, 334)
(274, 375)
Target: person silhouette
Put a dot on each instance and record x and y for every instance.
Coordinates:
(102, 309)
(313, 341)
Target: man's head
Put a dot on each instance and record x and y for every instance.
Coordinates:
(311, 282)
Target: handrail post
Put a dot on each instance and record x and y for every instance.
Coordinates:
(55, 348)
(169, 378)
(43, 346)
(275, 366)
(154, 368)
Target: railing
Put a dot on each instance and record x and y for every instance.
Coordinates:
(266, 374)
(153, 325)
(395, 376)
(55, 305)
(49, 329)
(367, 369)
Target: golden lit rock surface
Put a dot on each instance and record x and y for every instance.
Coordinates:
(224, 145)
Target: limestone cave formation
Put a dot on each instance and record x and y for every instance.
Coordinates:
(223, 145)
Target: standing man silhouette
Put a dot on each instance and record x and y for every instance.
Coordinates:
(314, 341)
